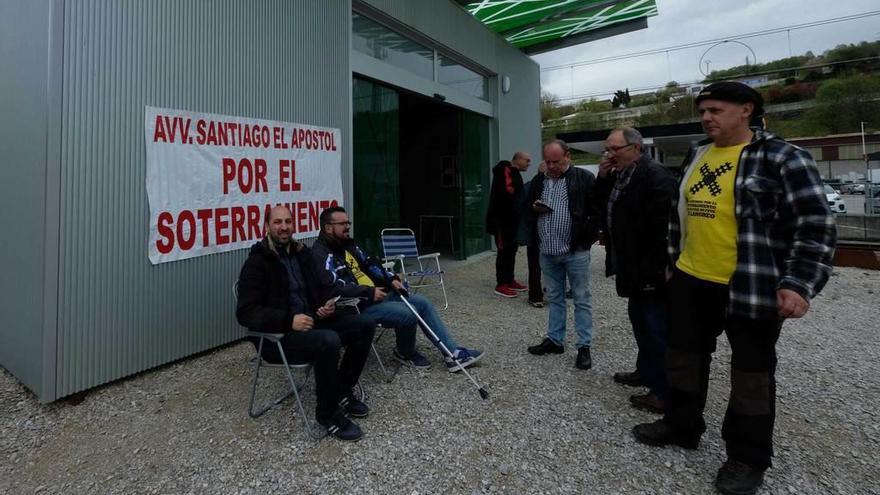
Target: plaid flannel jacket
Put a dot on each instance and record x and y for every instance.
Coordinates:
(786, 233)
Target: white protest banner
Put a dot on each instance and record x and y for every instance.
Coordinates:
(211, 178)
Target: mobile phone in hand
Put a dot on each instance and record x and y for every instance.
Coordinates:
(542, 206)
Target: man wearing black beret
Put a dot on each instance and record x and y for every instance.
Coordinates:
(751, 241)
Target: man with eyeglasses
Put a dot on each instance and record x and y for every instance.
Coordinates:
(633, 194)
(562, 212)
(352, 273)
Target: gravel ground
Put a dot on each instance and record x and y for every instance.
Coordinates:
(547, 428)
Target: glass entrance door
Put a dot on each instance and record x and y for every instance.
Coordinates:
(376, 123)
(419, 164)
(474, 170)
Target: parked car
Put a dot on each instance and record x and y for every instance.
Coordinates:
(858, 189)
(874, 201)
(834, 200)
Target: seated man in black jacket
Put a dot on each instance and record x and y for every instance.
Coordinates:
(279, 291)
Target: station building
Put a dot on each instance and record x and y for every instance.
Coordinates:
(419, 98)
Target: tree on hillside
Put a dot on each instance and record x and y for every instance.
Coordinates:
(621, 99)
(549, 105)
(594, 106)
(785, 66)
(841, 104)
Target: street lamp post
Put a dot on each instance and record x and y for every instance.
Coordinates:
(868, 181)
(865, 157)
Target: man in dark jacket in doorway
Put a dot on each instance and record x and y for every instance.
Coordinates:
(526, 236)
(279, 291)
(502, 219)
(633, 194)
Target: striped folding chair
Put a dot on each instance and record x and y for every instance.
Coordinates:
(399, 246)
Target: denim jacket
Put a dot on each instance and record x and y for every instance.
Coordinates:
(786, 233)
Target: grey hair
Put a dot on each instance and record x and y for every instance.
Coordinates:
(631, 135)
(558, 142)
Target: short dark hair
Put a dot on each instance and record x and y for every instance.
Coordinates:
(327, 215)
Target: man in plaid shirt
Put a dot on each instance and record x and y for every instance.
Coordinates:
(751, 241)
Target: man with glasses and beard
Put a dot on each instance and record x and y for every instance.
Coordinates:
(351, 272)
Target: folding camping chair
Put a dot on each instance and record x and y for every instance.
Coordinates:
(313, 431)
(399, 246)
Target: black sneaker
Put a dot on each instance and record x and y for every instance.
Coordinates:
(417, 360)
(630, 379)
(583, 361)
(738, 478)
(660, 434)
(354, 407)
(546, 346)
(341, 427)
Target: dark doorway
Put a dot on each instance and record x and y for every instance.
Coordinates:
(419, 164)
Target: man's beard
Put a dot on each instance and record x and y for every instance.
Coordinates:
(279, 242)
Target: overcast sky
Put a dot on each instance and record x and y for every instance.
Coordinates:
(683, 21)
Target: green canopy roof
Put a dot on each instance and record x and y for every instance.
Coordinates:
(541, 25)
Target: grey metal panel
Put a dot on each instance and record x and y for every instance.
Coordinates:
(271, 59)
(517, 114)
(376, 69)
(24, 26)
(446, 23)
(519, 111)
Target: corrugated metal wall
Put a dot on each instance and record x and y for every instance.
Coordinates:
(271, 59)
(24, 48)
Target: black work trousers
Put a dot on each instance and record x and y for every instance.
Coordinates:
(697, 316)
(505, 262)
(322, 346)
(536, 290)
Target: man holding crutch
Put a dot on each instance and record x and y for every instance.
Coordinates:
(352, 273)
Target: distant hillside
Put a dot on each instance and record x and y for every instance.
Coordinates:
(807, 95)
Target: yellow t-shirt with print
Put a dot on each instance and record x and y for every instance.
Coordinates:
(361, 277)
(710, 224)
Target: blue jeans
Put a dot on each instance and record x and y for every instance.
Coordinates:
(393, 313)
(647, 313)
(576, 268)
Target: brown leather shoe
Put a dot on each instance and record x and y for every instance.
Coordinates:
(648, 402)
